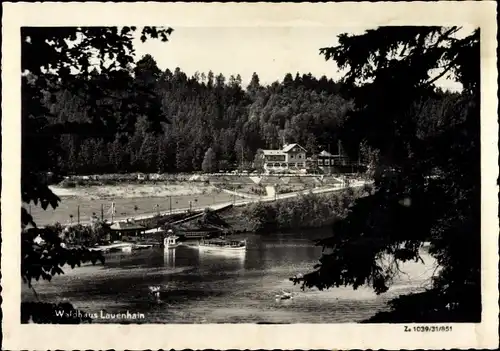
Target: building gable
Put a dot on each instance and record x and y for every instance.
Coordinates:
(293, 148)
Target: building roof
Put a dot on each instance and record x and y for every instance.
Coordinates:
(289, 147)
(127, 226)
(154, 230)
(327, 154)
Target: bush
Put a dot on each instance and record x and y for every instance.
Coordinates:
(284, 190)
(258, 190)
(306, 211)
(84, 235)
(261, 217)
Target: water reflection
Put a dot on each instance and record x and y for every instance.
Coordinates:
(234, 260)
(169, 257)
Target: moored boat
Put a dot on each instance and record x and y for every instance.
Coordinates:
(170, 240)
(114, 247)
(198, 233)
(223, 244)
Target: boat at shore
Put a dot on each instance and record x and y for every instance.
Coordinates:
(170, 241)
(221, 244)
(120, 247)
(194, 234)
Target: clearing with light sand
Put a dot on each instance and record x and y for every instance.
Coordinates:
(130, 200)
(132, 191)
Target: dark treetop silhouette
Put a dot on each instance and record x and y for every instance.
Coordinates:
(47, 59)
(427, 174)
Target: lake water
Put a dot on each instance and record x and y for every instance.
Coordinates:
(206, 287)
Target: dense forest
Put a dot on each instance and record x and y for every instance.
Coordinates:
(198, 113)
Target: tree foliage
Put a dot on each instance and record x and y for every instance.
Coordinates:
(258, 162)
(305, 211)
(207, 111)
(89, 62)
(427, 175)
(209, 163)
(201, 112)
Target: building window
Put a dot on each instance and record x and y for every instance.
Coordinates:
(283, 165)
(327, 162)
(275, 158)
(300, 165)
(320, 162)
(276, 165)
(300, 156)
(291, 156)
(291, 164)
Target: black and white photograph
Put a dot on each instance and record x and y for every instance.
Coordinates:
(289, 173)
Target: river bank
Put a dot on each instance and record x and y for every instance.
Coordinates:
(303, 212)
(306, 211)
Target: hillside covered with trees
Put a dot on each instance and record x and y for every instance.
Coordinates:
(206, 114)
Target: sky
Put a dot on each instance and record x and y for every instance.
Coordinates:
(270, 51)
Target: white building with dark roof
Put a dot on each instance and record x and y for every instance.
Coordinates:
(328, 162)
(290, 157)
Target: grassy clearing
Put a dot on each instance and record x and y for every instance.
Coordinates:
(125, 206)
